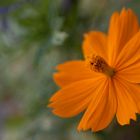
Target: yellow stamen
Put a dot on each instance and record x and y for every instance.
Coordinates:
(98, 64)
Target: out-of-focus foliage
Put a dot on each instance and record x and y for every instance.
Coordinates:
(35, 36)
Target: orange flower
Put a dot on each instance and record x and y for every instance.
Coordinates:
(105, 84)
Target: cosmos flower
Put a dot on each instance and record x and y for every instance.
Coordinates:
(105, 83)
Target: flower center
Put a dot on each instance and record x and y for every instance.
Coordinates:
(98, 64)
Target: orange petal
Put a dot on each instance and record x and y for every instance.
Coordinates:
(73, 71)
(73, 99)
(127, 107)
(95, 43)
(101, 109)
(122, 28)
(129, 54)
(113, 34)
(135, 92)
(131, 72)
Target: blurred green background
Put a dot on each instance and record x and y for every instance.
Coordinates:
(35, 36)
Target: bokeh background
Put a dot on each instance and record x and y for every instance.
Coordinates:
(35, 36)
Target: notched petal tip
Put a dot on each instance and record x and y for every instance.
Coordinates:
(54, 97)
(126, 10)
(50, 105)
(128, 122)
(83, 128)
(56, 76)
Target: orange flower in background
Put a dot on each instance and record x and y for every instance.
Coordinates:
(105, 83)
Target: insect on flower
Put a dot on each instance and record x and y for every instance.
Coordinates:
(105, 83)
